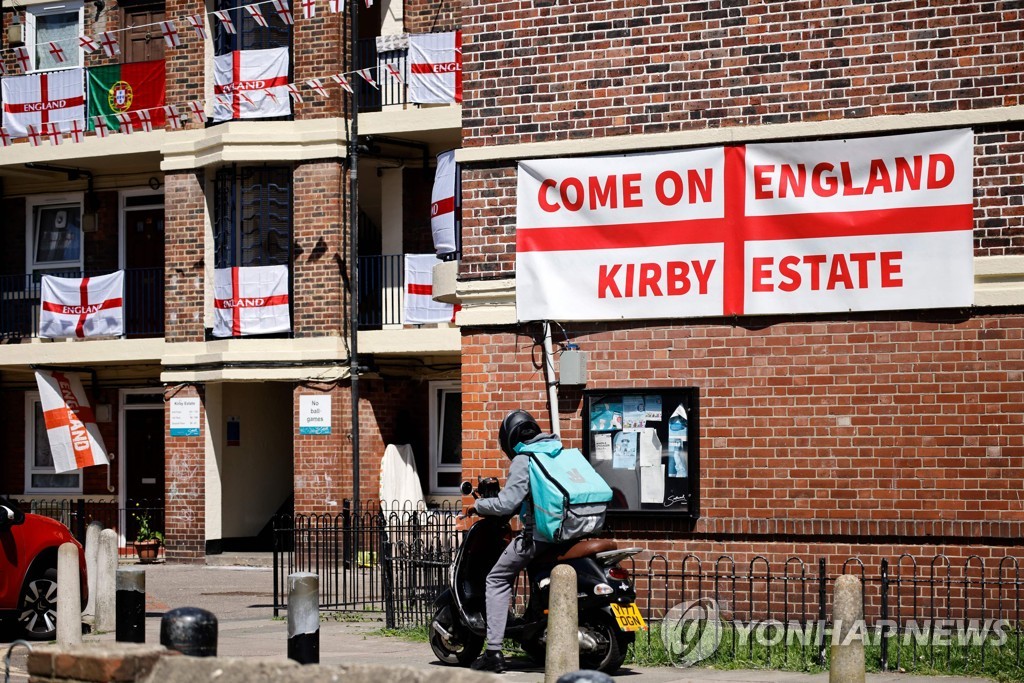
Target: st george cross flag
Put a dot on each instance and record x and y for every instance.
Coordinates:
(82, 307)
(75, 440)
(251, 300)
(254, 72)
(442, 203)
(420, 307)
(40, 98)
(435, 68)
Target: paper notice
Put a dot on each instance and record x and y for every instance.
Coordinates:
(624, 451)
(652, 484)
(602, 446)
(634, 413)
(652, 404)
(650, 448)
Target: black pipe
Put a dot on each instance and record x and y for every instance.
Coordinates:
(353, 170)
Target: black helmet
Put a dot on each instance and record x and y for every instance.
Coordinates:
(517, 427)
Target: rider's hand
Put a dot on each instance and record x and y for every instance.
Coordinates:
(471, 511)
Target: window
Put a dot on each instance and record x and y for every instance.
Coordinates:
(253, 216)
(250, 35)
(55, 234)
(445, 437)
(59, 23)
(39, 474)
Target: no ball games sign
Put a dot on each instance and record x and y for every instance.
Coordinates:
(882, 223)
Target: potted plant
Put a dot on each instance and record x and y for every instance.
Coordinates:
(147, 539)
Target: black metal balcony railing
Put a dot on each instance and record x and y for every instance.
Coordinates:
(390, 91)
(20, 302)
(381, 290)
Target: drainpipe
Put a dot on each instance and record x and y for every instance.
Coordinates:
(353, 175)
(549, 376)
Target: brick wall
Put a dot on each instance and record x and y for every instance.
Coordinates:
(185, 220)
(876, 428)
(317, 53)
(319, 221)
(185, 64)
(185, 485)
(432, 16)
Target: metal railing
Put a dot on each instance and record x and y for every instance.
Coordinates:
(21, 294)
(77, 513)
(382, 558)
(389, 91)
(381, 290)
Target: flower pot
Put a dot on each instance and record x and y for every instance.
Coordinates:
(147, 551)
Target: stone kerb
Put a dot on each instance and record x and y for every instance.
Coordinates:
(139, 663)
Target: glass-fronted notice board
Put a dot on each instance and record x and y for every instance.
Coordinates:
(646, 444)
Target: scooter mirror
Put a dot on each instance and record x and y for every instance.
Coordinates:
(466, 488)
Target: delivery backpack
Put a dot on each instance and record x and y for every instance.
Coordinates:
(569, 497)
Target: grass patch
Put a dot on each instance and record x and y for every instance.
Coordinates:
(412, 634)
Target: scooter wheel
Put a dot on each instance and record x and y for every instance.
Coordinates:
(611, 645)
(460, 647)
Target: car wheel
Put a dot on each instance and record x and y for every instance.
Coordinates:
(37, 609)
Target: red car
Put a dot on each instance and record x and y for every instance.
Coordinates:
(28, 570)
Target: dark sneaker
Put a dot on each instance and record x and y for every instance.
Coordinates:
(490, 660)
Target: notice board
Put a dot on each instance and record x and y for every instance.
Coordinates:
(645, 442)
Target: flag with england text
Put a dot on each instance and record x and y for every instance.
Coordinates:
(420, 307)
(824, 226)
(37, 99)
(82, 307)
(250, 300)
(435, 68)
(134, 89)
(242, 79)
(443, 203)
(75, 440)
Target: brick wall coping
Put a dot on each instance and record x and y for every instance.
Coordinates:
(871, 125)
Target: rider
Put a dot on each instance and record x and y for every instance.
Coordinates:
(517, 427)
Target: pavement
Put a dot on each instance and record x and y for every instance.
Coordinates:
(241, 597)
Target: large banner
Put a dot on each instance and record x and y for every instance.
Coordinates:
(868, 224)
(82, 307)
(443, 202)
(435, 67)
(137, 89)
(56, 97)
(251, 84)
(75, 440)
(250, 300)
(419, 307)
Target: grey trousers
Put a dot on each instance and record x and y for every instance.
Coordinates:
(517, 555)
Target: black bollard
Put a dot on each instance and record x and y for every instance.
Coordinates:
(130, 605)
(303, 618)
(585, 676)
(190, 631)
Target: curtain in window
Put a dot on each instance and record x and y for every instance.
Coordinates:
(62, 29)
(253, 217)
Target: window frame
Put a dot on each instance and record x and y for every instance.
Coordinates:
(32, 12)
(438, 389)
(32, 206)
(32, 399)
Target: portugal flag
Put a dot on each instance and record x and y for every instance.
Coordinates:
(121, 88)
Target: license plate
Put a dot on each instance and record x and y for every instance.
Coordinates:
(628, 617)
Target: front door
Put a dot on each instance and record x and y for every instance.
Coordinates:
(143, 454)
(144, 271)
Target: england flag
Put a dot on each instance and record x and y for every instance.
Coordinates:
(420, 307)
(75, 440)
(37, 99)
(242, 79)
(252, 300)
(443, 198)
(82, 307)
(435, 68)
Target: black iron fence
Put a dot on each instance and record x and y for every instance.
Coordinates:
(379, 558)
(20, 301)
(77, 513)
(381, 290)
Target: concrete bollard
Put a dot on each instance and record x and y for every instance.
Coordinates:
(586, 676)
(69, 597)
(92, 549)
(130, 603)
(563, 649)
(190, 631)
(304, 618)
(106, 586)
(847, 664)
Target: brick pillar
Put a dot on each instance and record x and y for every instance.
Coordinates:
(186, 63)
(185, 486)
(321, 256)
(185, 216)
(317, 47)
(323, 462)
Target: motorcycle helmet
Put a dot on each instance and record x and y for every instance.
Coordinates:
(517, 427)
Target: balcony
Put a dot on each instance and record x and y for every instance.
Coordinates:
(143, 302)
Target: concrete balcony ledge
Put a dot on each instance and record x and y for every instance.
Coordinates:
(445, 279)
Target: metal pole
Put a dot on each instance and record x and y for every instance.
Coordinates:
(353, 174)
(552, 382)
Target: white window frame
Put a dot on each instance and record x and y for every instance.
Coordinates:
(436, 436)
(34, 11)
(32, 204)
(31, 399)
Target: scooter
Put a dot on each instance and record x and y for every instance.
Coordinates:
(608, 617)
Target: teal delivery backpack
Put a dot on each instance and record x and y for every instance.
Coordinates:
(569, 497)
